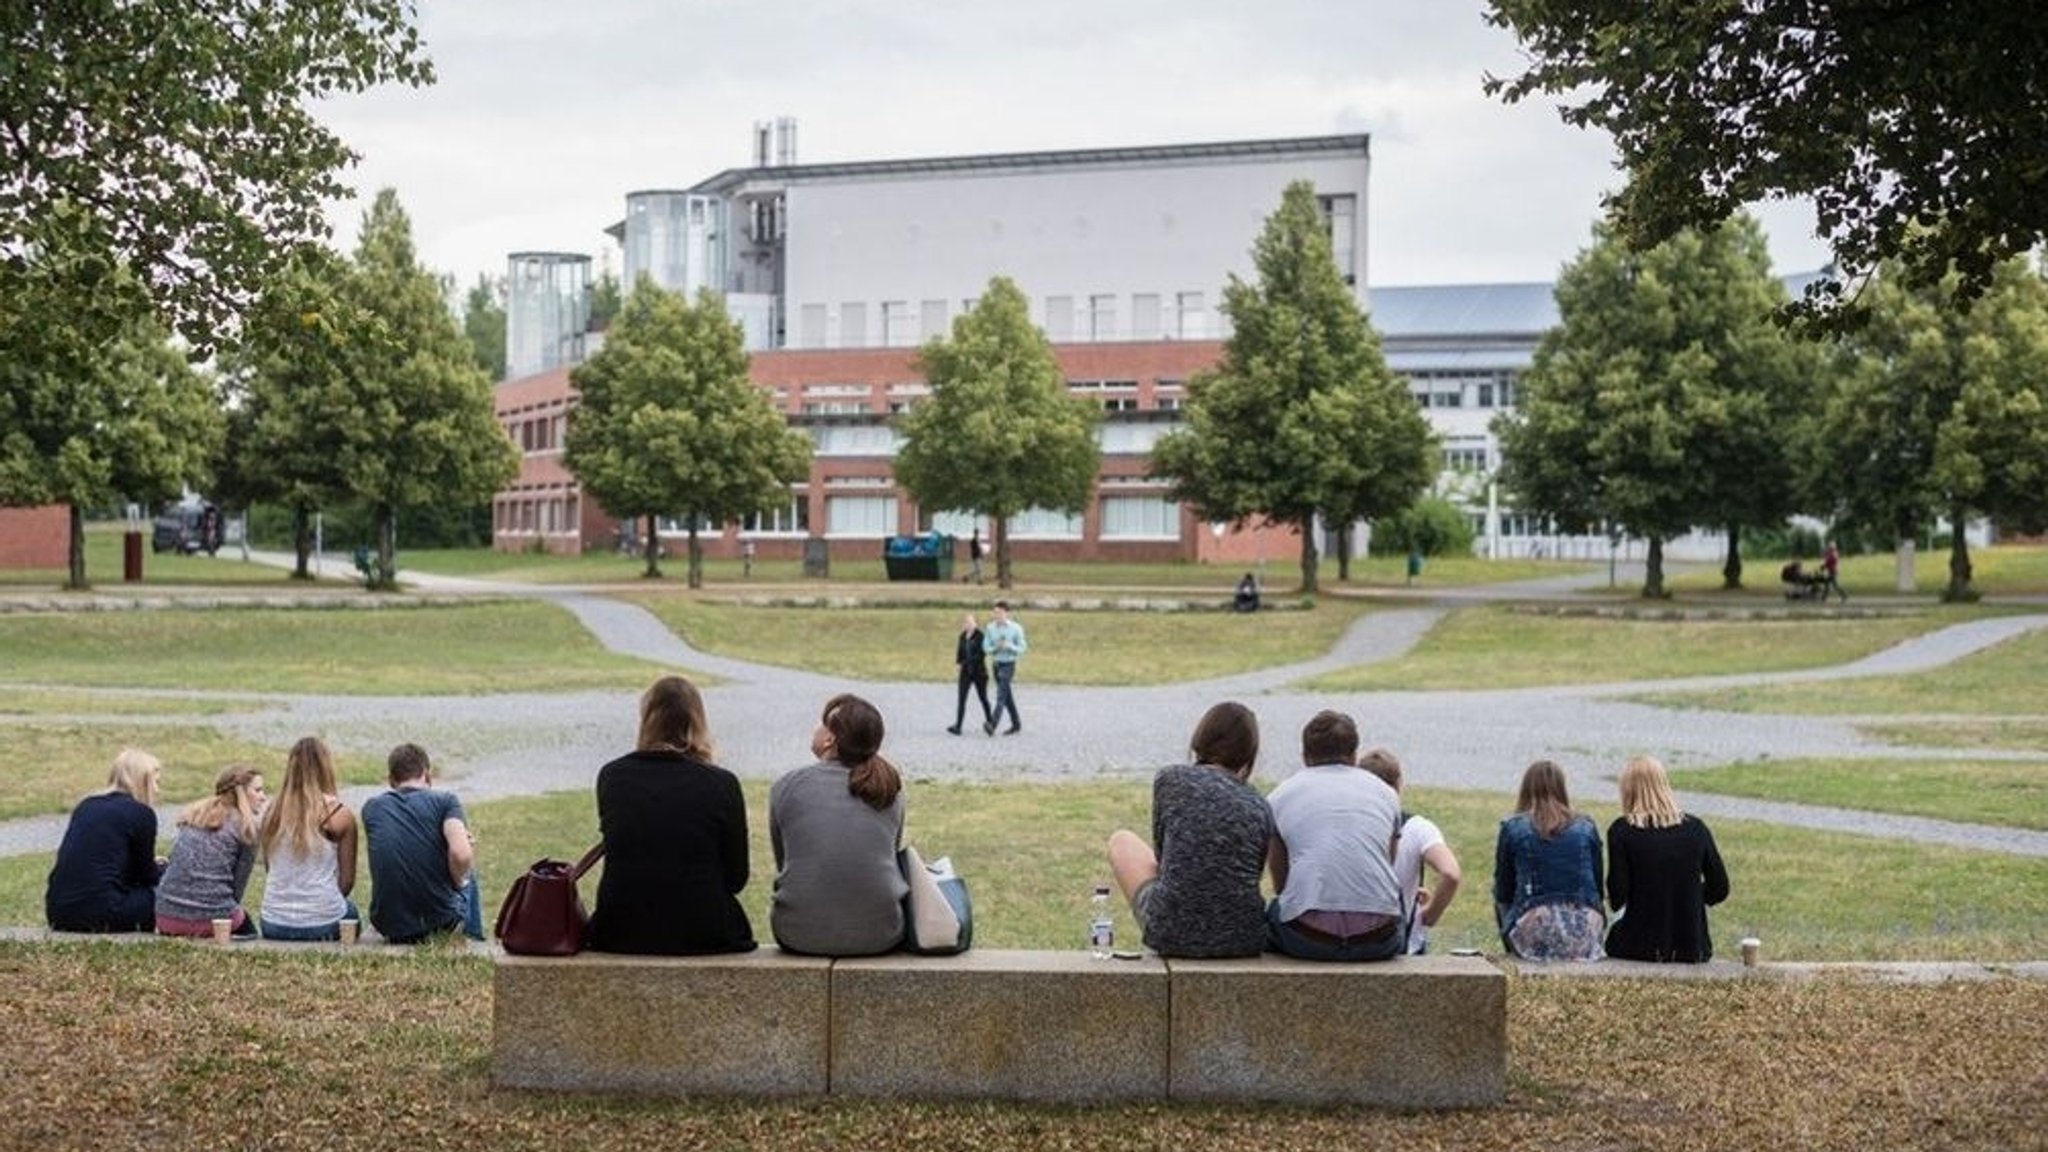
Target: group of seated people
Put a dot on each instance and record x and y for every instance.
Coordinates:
(108, 878)
(1346, 863)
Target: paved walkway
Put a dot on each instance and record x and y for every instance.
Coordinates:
(761, 717)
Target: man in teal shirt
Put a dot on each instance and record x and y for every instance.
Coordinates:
(1003, 640)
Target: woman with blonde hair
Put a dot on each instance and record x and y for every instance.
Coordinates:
(1546, 873)
(308, 837)
(106, 872)
(1664, 871)
(212, 857)
(675, 837)
(834, 828)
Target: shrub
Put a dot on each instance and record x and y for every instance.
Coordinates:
(1432, 526)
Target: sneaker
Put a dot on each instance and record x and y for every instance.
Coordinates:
(1013, 729)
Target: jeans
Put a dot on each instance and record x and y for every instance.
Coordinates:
(979, 685)
(1292, 941)
(472, 924)
(328, 931)
(1006, 701)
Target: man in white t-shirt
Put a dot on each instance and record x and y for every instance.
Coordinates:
(1421, 842)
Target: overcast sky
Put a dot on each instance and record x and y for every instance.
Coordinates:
(548, 112)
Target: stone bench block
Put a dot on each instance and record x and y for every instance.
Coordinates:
(752, 1024)
(1052, 1026)
(1420, 1031)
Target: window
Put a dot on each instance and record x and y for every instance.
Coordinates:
(1145, 316)
(1140, 518)
(1102, 318)
(896, 331)
(1486, 395)
(791, 519)
(873, 516)
(1340, 219)
(1193, 321)
(811, 326)
(1045, 523)
(1059, 318)
(853, 325)
(1465, 459)
(931, 319)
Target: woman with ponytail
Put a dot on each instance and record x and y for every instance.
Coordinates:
(212, 857)
(835, 827)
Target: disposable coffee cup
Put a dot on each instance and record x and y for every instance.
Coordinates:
(223, 929)
(1749, 946)
(348, 931)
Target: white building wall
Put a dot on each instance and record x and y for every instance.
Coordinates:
(862, 249)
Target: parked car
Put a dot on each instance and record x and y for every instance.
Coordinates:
(188, 528)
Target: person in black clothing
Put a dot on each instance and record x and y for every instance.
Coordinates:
(973, 665)
(675, 836)
(1247, 597)
(106, 872)
(1662, 872)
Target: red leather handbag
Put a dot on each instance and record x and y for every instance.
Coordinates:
(543, 914)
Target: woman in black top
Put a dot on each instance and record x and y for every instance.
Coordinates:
(973, 664)
(105, 876)
(1662, 872)
(675, 836)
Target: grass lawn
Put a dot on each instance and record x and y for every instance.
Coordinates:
(30, 700)
(103, 566)
(398, 650)
(1077, 647)
(1972, 732)
(1500, 647)
(379, 1051)
(51, 765)
(2003, 681)
(2004, 570)
(2001, 792)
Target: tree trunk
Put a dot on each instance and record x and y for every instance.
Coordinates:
(302, 543)
(1959, 590)
(999, 538)
(1344, 554)
(1653, 571)
(384, 569)
(651, 547)
(1308, 554)
(74, 579)
(1731, 571)
(696, 577)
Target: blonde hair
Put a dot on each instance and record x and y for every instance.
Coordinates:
(1646, 799)
(299, 808)
(230, 798)
(135, 773)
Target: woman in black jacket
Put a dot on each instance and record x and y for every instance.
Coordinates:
(973, 664)
(1663, 870)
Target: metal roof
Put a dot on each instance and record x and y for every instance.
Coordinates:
(1465, 310)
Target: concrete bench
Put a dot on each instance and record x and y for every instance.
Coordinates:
(1042, 1026)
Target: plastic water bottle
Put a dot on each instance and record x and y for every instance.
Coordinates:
(1101, 929)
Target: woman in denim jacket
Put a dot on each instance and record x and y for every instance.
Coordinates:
(1547, 874)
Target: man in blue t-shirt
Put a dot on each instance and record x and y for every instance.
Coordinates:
(421, 857)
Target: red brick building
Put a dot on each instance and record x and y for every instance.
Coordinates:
(35, 537)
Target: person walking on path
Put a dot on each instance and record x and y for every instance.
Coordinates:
(974, 554)
(973, 666)
(1830, 563)
(1003, 641)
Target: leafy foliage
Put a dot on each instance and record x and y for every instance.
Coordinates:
(999, 433)
(183, 132)
(1665, 397)
(1302, 415)
(483, 321)
(668, 423)
(1432, 526)
(1919, 130)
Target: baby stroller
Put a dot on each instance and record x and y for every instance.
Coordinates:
(1801, 584)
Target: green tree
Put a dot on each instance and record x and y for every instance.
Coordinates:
(184, 131)
(1919, 130)
(605, 301)
(1942, 410)
(426, 433)
(1302, 415)
(292, 420)
(1432, 526)
(999, 433)
(96, 404)
(1664, 398)
(668, 423)
(483, 321)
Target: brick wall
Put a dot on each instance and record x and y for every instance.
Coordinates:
(35, 537)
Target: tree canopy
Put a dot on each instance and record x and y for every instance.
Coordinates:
(483, 322)
(1919, 130)
(668, 423)
(1302, 415)
(184, 131)
(999, 433)
(1665, 398)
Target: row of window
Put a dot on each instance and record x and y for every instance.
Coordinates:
(876, 515)
(537, 433)
(1489, 392)
(1064, 318)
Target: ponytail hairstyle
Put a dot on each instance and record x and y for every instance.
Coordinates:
(856, 729)
(233, 795)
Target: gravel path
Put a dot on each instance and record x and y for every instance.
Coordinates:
(523, 744)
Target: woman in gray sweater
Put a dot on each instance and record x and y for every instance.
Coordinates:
(212, 858)
(834, 828)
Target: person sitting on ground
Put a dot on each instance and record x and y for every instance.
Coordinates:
(308, 840)
(834, 828)
(1422, 842)
(675, 837)
(422, 857)
(212, 858)
(1663, 872)
(1247, 597)
(1195, 888)
(1336, 828)
(1546, 873)
(105, 876)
